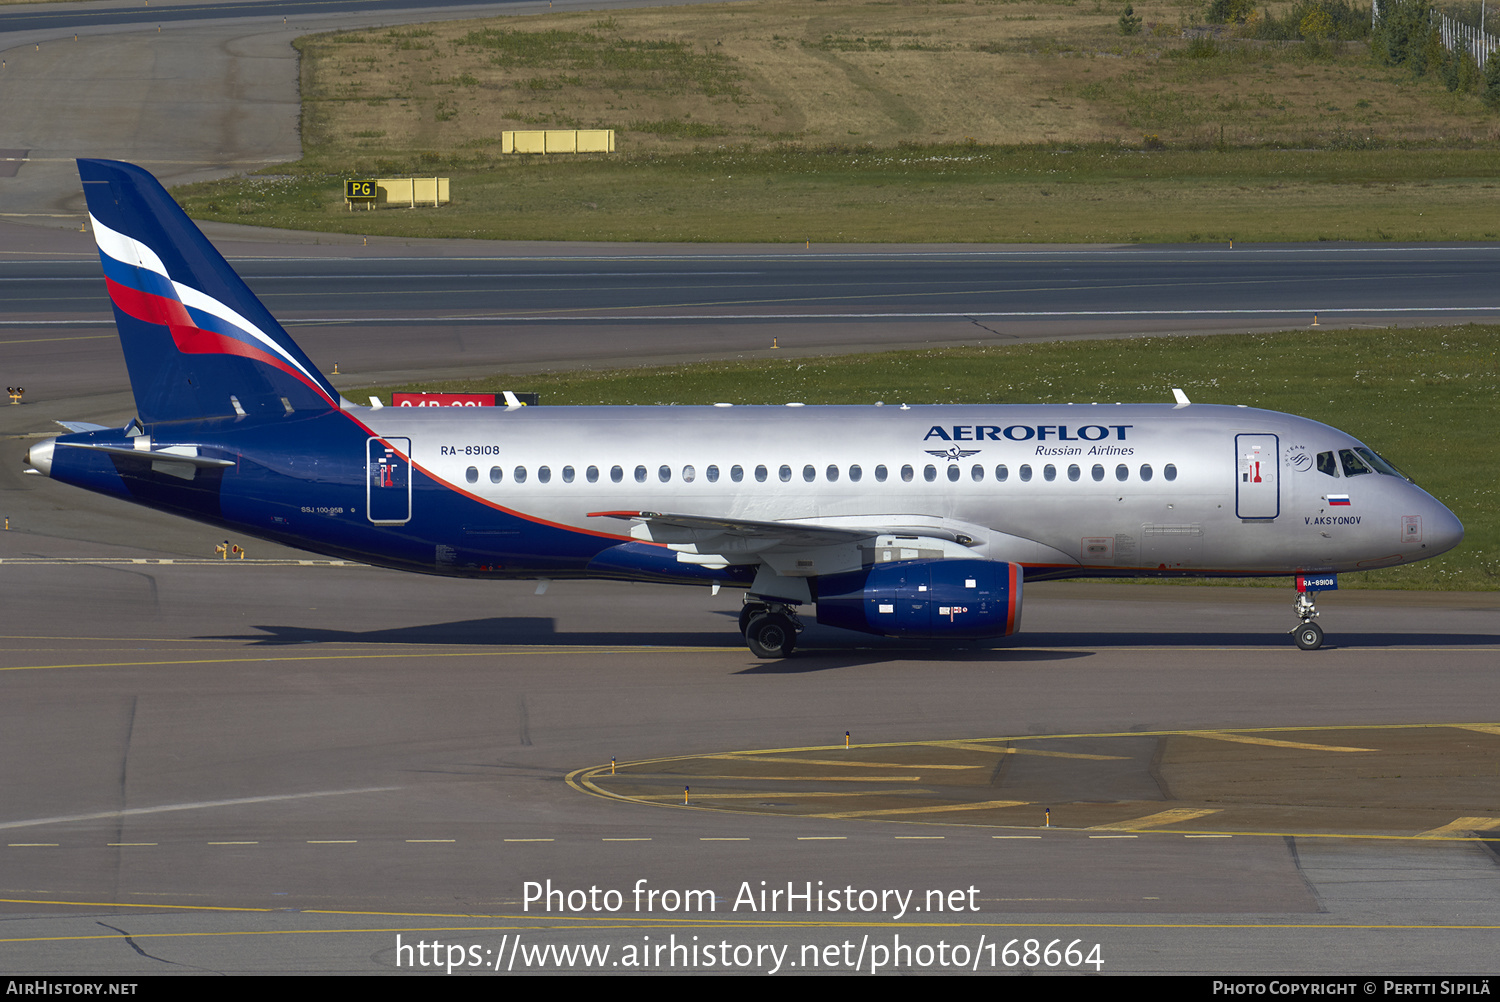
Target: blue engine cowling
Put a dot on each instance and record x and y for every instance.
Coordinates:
(925, 599)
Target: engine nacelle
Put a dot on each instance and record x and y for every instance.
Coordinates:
(925, 599)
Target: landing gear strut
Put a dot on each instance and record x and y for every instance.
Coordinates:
(1309, 634)
(770, 629)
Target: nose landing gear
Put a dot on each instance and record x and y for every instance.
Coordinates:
(1309, 634)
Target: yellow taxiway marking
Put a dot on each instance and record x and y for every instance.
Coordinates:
(520, 922)
(1170, 817)
(993, 750)
(1247, 739)
(762, 795)
(1462, 825)
(492, 653)
(938, 809)
(787, 779)
(121, 845)
(1481, 728)
(753, 756)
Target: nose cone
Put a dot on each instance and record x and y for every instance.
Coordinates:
(1445, 531)
(40, 455)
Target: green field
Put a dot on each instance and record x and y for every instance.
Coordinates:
(882, 121)
(1422, 397)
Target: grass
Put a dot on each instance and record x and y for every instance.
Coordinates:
(851, 120)
(1422, 397)
(964, 193)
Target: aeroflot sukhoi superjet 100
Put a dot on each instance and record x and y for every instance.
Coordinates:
(901, 521)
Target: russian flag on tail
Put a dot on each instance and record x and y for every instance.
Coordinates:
(197, 342)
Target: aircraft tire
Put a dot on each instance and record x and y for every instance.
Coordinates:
(1309, 636)
(747, 613)
(771, 636)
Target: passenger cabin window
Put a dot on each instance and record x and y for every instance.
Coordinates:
(953, 472)
(736, 473)
(976, 473)
(544, 474)
(1169, 471)
(519, 475)
(785, 473)
(1049, 473)
(1025, 472)
(1074, 472)
(907, 473)
(1122, 473)
(855, 473)
(664, 473)
(880, 474)
(1145, 471)
(640, 474)
(592, 474)
(809, 474)
(496, 475)
(1002, 473)
(616, 474)
(712, 473)
(1327, 465)
(472, 474)
(832, 473)
(688, 474)
(760, 474)
(929, 473)
(567, 474)
(1097, 472)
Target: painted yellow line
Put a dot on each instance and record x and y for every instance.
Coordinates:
(32, 845)
(234, 843)
(753, 756)
(426, 840)
(530, 840)
(373, 657)
(993, 750)
(1015, 836)
(1246, 739)
(724, 838)
(1114, 836)
(332, 841)
(517, 922)
(1481, 728)
(123, 844)
(625, 840)
(822, 838)
(939, 809)
(921, 836)
(776, 779)
(1175, 816)
(1463, 825)
(762, 795)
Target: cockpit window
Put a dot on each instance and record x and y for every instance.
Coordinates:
(1380, 463)
(1353, 465)
(1327, 464)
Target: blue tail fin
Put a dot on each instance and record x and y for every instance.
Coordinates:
(197, 342)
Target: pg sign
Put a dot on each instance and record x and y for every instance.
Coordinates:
(360, 191)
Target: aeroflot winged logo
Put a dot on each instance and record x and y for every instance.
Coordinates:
(140, 287)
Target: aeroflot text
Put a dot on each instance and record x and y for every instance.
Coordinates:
(1026, 432)
(758, 897)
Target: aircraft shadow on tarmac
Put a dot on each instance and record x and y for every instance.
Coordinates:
(822, 642)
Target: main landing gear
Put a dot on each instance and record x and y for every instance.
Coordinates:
(770, 629)
(1309, 634)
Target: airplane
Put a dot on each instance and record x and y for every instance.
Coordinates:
(900, 521)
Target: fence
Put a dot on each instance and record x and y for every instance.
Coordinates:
(1456, 35)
